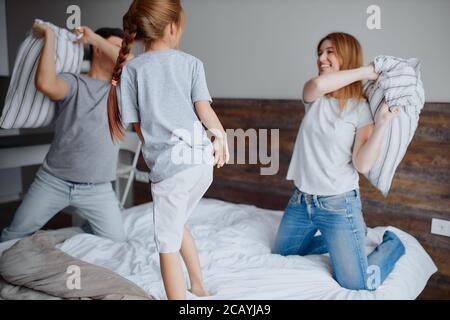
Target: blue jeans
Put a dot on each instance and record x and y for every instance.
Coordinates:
(48, 195)
(340, 221)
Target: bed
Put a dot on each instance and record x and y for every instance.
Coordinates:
(234, 242)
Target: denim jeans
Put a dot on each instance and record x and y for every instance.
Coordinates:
(48, 195)
(341, 224)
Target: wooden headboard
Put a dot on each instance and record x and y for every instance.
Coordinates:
(420, 191)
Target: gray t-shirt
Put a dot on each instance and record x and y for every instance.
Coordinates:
(322, 160)
(82, 150)
(159, 89)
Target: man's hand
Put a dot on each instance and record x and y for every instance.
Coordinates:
(40, 29)
(85, 34)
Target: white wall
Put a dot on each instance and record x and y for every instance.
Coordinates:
(94, 13)
(4, 70)
(266, 48)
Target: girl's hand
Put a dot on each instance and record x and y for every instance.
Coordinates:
(40, 29)
(371, 74)
(221, 153)
(86, 35)
(385, 116)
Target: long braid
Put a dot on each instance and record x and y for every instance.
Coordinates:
(145, 21)
(116, 128)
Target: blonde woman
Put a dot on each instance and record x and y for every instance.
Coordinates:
(338, 138)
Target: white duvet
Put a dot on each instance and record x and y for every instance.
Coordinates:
(234, 243)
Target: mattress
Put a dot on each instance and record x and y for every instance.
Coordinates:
(235, 243)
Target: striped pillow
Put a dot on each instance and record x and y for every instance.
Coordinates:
(25, 106)
(399, 85)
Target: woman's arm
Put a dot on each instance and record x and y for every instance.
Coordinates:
(209, 118)
(333, 81)
(369, 140)
(46, 79)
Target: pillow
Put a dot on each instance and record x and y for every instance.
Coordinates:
(399, 85)
(25, 106)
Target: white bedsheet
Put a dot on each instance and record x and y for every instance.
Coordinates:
(234, 243)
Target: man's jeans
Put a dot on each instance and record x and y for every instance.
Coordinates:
(97, 203)
(340, 221)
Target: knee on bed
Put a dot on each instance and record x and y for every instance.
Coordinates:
(283, 250)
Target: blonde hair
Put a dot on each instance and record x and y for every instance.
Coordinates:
(350, 56)
(145, 21)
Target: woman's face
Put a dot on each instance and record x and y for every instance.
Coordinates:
(327, 60)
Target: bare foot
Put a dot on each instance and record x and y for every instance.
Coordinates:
(199, 291)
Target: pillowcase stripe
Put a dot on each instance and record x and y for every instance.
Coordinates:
(25, 106)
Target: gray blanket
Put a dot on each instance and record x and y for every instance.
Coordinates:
(34, 269)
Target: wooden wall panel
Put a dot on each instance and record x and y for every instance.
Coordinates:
(420, 191)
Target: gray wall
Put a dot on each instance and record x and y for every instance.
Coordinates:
(4, 68)
(266, 48)
(94, 13)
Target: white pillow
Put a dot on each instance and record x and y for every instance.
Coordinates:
(25, 106)
(399, 85)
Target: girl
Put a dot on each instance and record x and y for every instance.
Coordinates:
(163, 92)
(337, 138)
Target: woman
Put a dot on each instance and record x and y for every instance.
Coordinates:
(337, 138)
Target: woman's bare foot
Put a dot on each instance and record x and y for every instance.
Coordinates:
(199, 290)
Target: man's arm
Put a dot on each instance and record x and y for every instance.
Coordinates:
(46, 79)
(90, 37)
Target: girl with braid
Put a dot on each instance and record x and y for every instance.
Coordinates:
(163, 93)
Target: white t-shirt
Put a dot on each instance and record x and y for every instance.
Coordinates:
(322, 160)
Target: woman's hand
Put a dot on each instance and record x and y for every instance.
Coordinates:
(384, 116)
(221, 153)
(40, 29)
(371, 73)
(369, 139)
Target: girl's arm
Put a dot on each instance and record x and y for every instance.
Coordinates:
(330, 82)
(369, 139)
(209, 118)
(46, 79)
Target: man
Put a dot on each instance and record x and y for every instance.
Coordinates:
(82, 160)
